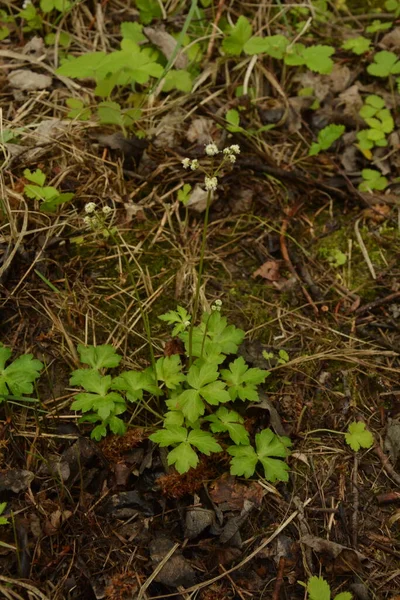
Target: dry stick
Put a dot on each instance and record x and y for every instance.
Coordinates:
(377, 303)
(248, 558)
(363, 249)
(290, 266)
(279, 579)
(156, 571)
(354, 516)
(386, 464)
(214, 30)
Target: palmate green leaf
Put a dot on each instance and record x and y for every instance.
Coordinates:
(149, 10)
(244, 460)
(318, 589)
(78, 109)
(234, 43)
(37, 177)
(87, 65)
(268, 447)
(110, 113)
(227, 336)
(373, 180)
(173, 434)
(317, 58)
(199, 376)
(179, 317)
(326, 137)
(191, 404)
(183, 457)
(359, 45)
(169, 370)
(224, 420)
(91, 380)
(358, 436)
(174, 417)
(385, 64)
(178, 79)
(274, 45)
(131, 30)
(203, 441)
(51, 204)
(134, 383)
(215, 393)
(19, 376)
(242, 381)
(103, 405)
(99, 357)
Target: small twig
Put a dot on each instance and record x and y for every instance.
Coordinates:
(279, 579)
(218, 15)
(376, 303)
(354, 516)
(364, 250)
(386, 464)
(388, 498)
(156, 571)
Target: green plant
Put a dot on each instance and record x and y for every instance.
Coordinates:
(379, 120)
(49, 196)
(240, 39)
(18, 377)
(385, 63)
(359, 45)
(326, 137)
(31, 17)
(373, 180)
(319, 589)
(358, 436)
(393, 6)
(3, 520)
(78, 110)
(377, 26)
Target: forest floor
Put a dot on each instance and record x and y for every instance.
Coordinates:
(302, 249)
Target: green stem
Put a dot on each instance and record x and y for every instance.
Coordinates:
(199, 275)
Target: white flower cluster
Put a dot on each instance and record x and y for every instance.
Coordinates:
(26, 3)
(216, 307)
(92, 218)
(210, 180)
(193, 164)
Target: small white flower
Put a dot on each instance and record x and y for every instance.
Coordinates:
(218, 303)
(88, 221)
(235, 149)
(107, 210)
(232, 158)
(194, 164)
(211, 183)
(211, 150)
(90, 207)
(186, 323)
(186, 163)
(26, 3)
(214, 308)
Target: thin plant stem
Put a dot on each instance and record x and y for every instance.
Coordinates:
(199, 274)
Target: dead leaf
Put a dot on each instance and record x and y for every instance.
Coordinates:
(28, 81)
(230, 494)
(201, 131)
(391, 40)
(15, 480)
(197, 520)
(48, 131)
(341, 559)
(392, 440)
(177, 571)
(35, 47)
(378, 214)
(339, 78)
(351, 101)
(167, 44)
(241, 201)
(198, 200)
(274, 417)
(57, 518)
(269, 270)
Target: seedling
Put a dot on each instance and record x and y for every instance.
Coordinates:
(359, 45)
(379, 120)
(373, 180)
(385, 64)
(358, 436)
(319, 589)
(18, 377)
(49, 197)
(3, 520)
(78, 111)
(326, 137)
(61, 6)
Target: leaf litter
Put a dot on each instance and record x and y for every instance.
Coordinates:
(282, 229)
